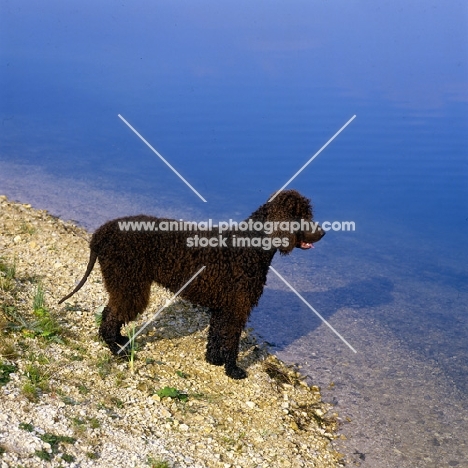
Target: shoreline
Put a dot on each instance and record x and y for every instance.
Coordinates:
(117, 411)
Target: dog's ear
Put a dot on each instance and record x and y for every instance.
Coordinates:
(288, 205)
(286, 240)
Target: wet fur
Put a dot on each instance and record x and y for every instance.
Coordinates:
(230, 285)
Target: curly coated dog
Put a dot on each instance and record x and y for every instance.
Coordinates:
(236, 257)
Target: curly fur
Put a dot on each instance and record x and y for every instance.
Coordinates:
(230, 285)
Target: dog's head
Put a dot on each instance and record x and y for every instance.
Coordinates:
(292, 218)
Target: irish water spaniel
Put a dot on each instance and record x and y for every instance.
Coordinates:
(230, 286)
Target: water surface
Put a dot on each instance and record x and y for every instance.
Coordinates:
(238, 96)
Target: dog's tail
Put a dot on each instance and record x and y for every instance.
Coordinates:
(92, 260)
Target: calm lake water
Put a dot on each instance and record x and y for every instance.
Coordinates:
(237, 96)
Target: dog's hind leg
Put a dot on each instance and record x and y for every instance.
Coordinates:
(213, 348)
(109, 331)
(124, 306)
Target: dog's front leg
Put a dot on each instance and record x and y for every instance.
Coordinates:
(223, 342)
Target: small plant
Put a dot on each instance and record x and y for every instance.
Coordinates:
(133, 347)
(94, 423)
(104, 365)
(39, 301)
(9, 349)
(54, 441)
(83, 389)
(26, 228)
(157, 463)
(170, 392)
(119, 378)
(69, 400)
(15, 321)
(38, 381)
(182, 375)
(26, 427)
(76, 357)
(78, 421)
(92, 455)
(68, 458)
(36, 375)
(2, 450)
(5, 371)
(7, 274)
(72, 307)
(29, 391)
(98, 315)
(44, 326)
(43, 455)
(117, 402)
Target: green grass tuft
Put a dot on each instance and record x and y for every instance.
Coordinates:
(7, 274)
(26, 427)
(5, 371)
(157, 463)
(172, 393)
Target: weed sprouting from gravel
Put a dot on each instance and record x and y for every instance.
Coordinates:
(26, 427)
(69, 400)
(26, 228)
(104, 365)
(83, 389)
(43, 324)
(5, 371)
(7, 274)
(133, 349)
(170, 392)
(39, 301)
(157, 463)
(117, 402)
(98, 315)
(46, 326)
(8, 349)
(94, 423)
(54, 441)
(38, 378)
(43, 455)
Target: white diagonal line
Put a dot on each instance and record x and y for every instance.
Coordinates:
(313, 310)
(168, 303)
(154, 151)
(312, 158)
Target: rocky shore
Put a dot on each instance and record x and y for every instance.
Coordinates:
(65, 401)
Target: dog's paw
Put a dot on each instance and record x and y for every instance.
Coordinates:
(120, 348)
(214, 359)
(236, 372)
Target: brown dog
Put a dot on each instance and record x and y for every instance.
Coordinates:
(236, 267)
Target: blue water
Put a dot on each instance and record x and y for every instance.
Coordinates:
(237, 96)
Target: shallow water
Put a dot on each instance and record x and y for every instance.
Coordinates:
(237, 98)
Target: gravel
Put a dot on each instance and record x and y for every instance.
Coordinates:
(66, 401)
